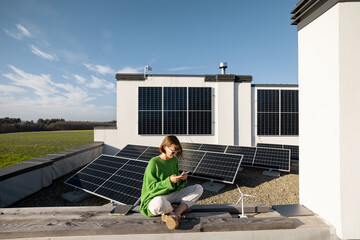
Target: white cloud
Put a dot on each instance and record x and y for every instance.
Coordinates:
(47, 91)
(73, 94)
(41, 84)
(79, 79)
(47, 56)
(23, 30)
(66, 77)
(99, 69)
(101, 83)
(30, 109)
(8, 89)
(129, 69)
(51, 99)
(18, 34)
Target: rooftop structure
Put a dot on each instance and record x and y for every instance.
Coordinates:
(215, 109)
(329, 58)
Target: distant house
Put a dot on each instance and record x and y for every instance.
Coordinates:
(219, 109)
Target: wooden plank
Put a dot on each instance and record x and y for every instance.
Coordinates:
(56, 209)
(231, 208)
(92, 217)
(207, 215)
(247, 224)
(152, 225)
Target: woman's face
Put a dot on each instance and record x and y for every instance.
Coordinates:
(170, 151)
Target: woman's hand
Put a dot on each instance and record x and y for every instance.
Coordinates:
(183, 177)
(175, 178)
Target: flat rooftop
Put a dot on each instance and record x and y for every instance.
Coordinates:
(83, 222)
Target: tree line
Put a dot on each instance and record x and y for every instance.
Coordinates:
(8, 125)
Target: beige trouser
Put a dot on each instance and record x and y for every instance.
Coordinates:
(162, 204)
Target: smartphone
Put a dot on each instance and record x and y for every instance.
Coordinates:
(184, 173)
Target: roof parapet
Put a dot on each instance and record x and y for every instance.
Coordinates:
(207, 78)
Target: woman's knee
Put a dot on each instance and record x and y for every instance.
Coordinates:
(159, 205)
(199, 189)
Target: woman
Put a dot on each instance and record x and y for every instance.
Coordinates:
(162, 185)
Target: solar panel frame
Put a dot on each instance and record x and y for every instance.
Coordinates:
(246, 160)
(190, 154)
(294, 151)
(209, 155)
(248, 157)
(99, 187)
(190, 146)
(269, 145)
(213, 148)
(131, 192)
(149, 153)
(132, 151)
(293, 148)
(259, 155)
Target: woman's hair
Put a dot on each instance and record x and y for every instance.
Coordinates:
(170, 140)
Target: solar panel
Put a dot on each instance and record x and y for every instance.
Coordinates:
(114, 178)
(125, 185)
(272, 158)
(150, 110)
(218, 166)
(289, 112)
(294, 151)
(280, 162)
(247, 152)
(191, 160)
(293, 148)
(269, 145)
(175, 110)
(149, 153)
(213, 148)
(200, 110)
(131, 151)
(191, 146)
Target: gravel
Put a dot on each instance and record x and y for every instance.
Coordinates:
(264, 189)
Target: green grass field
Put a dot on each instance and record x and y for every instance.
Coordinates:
(17, 147)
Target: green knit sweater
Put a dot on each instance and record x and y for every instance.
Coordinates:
(157, 181)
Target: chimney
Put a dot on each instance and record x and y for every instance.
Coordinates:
(223, 66)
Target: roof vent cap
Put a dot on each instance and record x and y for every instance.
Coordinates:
(223, 66)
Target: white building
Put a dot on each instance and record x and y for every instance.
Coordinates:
(329, 87)
(218, 109)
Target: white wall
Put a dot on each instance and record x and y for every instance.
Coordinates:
(349, 90)
(329, 60)
(233, 114)
(276, 139)
(109, 137)
(243, 111)
(127, 110)
(224, 113)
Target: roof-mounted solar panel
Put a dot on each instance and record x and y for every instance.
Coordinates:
(293, 148)
(272, 158)
(247, 152)
(294, 151)
(213, 148)
(218, 167)
(131, 151)
(149, 153)
(190, 146)
(113, 178)
(269, 145)
(191, 160)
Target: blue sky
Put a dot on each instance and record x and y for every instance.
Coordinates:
(58, 58)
